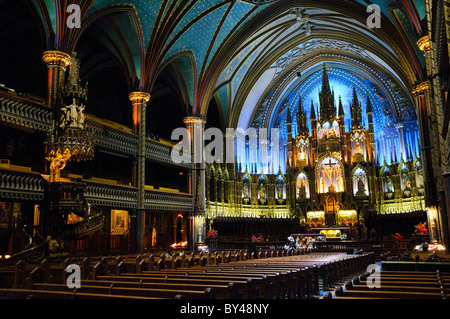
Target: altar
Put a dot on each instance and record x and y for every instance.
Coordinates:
(333, 225)
(333, 233)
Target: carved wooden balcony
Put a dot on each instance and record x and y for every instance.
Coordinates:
(20, 185)
(108, 135)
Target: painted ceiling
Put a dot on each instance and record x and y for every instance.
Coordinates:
(242, 53)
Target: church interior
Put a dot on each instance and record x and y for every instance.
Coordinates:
(351, 95)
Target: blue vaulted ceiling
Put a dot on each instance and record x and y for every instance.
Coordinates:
(229, 43)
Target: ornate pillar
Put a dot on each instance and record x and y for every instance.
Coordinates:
(57, 62)
(430, 180)
(434, 146)
(436, 110)
(139, 101)
(447, 22)
(195, 126)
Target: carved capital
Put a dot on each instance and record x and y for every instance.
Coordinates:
(424, 43)
(421, 89)
(56, 58)
(190, 120)
(139, 97)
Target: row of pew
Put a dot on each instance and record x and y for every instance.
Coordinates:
(396, 284)
(213, 275)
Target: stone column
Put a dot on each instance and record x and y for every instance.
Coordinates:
(195, 126)
(436, 110)
(139, 101)
(57, 62)
(420, 93)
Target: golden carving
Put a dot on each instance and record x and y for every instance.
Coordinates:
(424, 43)
(190, 120)
(139, 97)
(58, 161)
(422, 88)
(57, 58)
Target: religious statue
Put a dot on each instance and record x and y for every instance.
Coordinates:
(420, 180)
(245, 192)
(363, 228)
(57, 163)
(389, 186)
(301, 191)
(81, 117)
(262, 191)
(322, 185)
(406, 183)
(361, 188)
(280, 190)
(332, 188)
(74, 72)
(387, 111)
(407, 111)
(72, 116)
(340, 184)
(358, 149)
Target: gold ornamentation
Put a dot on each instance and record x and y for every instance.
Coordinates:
(57, 58)
(190, 120)
(58, 161)
(424, 43)
(422, 88)
(139, 97)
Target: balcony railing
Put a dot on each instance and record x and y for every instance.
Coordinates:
(16, 185)
(121, 196)
(108, 135)
(30, 186)
(87, 226)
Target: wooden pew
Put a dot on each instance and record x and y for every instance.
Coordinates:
(207, 293)
(222, 290)
(397, 285)
(284, 276)
(231, 274)
(246, 288)
(6, 293)
(259, 285)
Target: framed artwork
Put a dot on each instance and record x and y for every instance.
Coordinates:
(119, 222)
